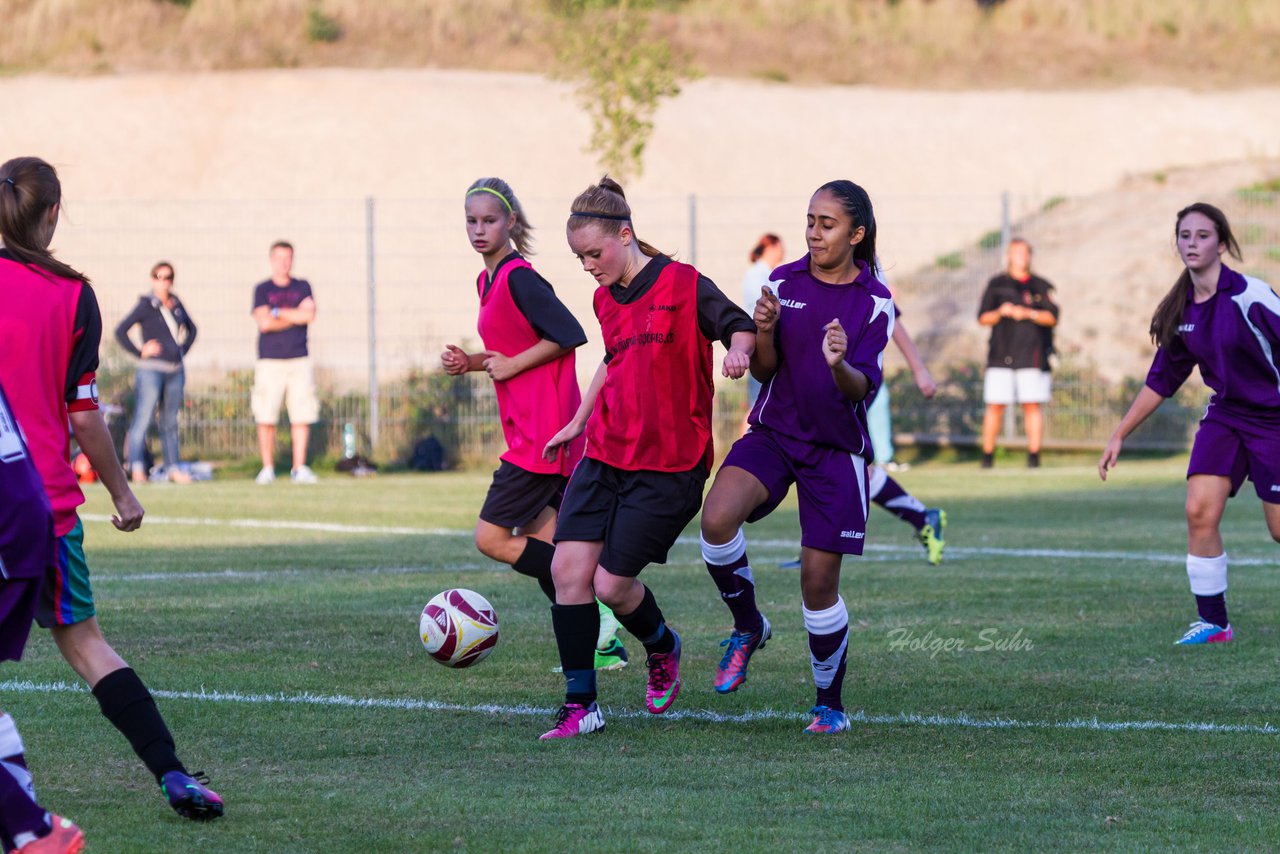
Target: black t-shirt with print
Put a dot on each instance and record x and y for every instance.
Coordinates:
(1019, 343)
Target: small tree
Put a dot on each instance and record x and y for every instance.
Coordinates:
(623, 71)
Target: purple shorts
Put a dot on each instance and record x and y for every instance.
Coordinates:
(18, 598)
(830, 483)
(1227, 445)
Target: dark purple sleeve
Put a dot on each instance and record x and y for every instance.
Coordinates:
(259, 297)
(1170, 369)
(866, 350)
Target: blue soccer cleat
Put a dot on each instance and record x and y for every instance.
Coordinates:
(827, 721)
(1202, 632)
(732, 671)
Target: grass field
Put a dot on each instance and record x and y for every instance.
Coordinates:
(300, 685)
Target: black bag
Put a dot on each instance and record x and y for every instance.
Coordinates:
(428, 455)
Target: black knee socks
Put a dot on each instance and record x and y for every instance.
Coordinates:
(535, 562)
(127, 703)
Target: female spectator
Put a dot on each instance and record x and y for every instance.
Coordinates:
(167, 335)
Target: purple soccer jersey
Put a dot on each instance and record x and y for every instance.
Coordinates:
(1234, 337)
(26, 522)
(801, 400)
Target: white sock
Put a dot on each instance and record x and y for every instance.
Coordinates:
(1207, 575)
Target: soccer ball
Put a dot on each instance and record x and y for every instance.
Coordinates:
(459, 628)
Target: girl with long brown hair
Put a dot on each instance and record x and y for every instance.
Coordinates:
(1228, 325)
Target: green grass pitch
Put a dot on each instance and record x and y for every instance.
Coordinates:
(1076, 735)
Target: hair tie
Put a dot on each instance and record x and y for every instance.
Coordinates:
(614, 217)
(475, 190)
(9, 181)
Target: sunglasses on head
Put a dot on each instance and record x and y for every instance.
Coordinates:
(164, 278)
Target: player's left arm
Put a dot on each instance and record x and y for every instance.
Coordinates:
(86, 419)
(721, 319)
(857, 362)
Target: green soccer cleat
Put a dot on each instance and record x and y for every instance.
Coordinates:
(613, 657)
(931, 535)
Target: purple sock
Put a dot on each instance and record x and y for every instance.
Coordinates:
(828, 650)
(21, 817)
(731, 571)
(890, 495)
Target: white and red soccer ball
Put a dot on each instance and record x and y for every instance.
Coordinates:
(459, 628)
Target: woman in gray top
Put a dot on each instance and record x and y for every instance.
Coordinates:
(167, 334)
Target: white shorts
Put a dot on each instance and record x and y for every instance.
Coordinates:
(288, 381)
(1016, 385)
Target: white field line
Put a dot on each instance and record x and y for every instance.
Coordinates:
(698, 715)
(952, 551)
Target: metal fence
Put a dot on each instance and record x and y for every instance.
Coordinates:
(394, 282)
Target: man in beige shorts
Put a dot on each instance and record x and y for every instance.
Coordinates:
(283, 308)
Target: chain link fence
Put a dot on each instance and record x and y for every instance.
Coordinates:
(394, 281)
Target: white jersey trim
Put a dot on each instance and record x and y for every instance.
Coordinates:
(1258, 292)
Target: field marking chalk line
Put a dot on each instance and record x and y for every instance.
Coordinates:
(698, 715)
(952, 551)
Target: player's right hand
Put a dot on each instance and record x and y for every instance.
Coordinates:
(1109, 457)
(129, 513)
(455, 360)
(767, 310)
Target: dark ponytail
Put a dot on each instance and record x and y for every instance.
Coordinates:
(605, 206)
(857, 204)
(766, 241)
(29, 187)
(1168, 316)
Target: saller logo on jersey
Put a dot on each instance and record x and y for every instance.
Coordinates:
(852, 535)
(790, 303)
(1187, 327)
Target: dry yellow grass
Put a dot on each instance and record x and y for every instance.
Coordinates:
(914, 43)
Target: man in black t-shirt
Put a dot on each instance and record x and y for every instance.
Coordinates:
(1019, 308)
(283, 309)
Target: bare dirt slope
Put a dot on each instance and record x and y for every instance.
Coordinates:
(1111, 257)
(184, 165)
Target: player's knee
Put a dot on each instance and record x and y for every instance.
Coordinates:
(1202, 515)
(719, 522)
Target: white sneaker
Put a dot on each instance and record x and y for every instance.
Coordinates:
(265, 476)
(303, 474)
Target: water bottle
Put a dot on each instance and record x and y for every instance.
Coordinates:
(348, 440)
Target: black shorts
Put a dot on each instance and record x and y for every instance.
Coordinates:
(517, 496)
(638, 514)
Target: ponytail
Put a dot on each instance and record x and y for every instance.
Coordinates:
(766, 241)
(29, 187)
(605, 205)
(521, 234)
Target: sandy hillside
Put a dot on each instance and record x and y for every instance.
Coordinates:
(1111, 257)
(133, 149)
